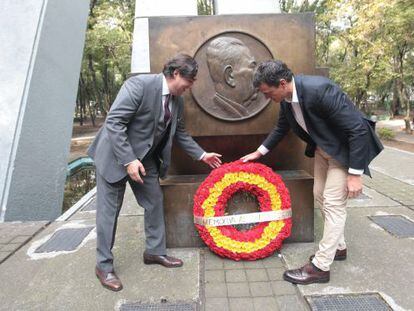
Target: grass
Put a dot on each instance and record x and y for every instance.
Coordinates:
(386, 133)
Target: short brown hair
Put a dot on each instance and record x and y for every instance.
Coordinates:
(271, 72)
(185, 64)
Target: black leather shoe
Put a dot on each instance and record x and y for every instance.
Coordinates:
(163, 260)
(339, 255)
(109, 280)
(308, 274)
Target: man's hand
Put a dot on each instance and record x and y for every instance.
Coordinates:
(251, 156)
(354, 183)
(133, 170)
(212, 159)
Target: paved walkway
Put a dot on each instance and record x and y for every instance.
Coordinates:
(14, 235)
(256, 285)
(378, 261)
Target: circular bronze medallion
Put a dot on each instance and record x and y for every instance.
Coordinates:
(224, 87)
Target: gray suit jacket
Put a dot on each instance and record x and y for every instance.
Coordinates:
(129, 130)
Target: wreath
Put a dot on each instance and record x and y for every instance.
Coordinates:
(272, 224)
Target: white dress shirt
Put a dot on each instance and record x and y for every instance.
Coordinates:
(165, 93)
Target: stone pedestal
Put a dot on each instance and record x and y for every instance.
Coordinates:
(178, 207)
(140, 60)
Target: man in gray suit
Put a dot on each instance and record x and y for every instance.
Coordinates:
(134, 145)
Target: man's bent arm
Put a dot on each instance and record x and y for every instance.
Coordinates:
(186, 141)
(122, 111)
(276, 135)
(342, 115)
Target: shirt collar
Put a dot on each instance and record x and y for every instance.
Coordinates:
(165, 89)
(294, 93)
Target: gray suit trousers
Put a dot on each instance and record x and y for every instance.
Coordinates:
(109, 201)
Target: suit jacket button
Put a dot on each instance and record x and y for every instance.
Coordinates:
(149, 145)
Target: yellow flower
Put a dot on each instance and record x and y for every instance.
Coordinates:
(270, 231)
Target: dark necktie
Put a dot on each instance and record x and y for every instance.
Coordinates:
(167, 112)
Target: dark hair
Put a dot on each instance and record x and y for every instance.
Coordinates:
(271, 72)
(185, 64)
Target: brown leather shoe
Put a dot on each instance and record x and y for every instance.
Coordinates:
(109, 280)
(339, 255)
(308, 274)
(164, 260)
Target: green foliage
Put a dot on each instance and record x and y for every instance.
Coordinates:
(368, 47)
(205, 7)
(107, 54)
(386, 133)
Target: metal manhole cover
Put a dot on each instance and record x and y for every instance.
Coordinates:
(91, 206)
(64, 240)
(350, 302)
(396, 225)
(158, 307)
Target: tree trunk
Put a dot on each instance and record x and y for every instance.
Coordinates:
(360, 94)
(79, 103)
(396, 104)
(97, 91)
(382, 100)
(105, 78)
(92, 115)
(406, 103)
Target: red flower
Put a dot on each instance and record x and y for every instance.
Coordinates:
(263, 197)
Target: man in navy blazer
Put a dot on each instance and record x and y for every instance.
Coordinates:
(340, 138)
(134, 146)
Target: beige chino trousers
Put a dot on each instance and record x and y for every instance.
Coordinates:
(331, 194)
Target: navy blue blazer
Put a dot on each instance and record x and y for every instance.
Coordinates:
(333, 122)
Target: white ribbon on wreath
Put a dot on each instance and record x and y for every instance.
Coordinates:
(243, 218)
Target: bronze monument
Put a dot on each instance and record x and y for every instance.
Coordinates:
(227, 48)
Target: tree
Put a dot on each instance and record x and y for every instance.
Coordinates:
(399, 32)
(205, 7)
(368, 46)
(107, 55)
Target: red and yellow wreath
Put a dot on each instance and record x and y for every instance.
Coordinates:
(273, 221)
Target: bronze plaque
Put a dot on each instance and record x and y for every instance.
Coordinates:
(260, 33)
(225, 78)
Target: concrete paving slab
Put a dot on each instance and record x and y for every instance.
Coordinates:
(390, 187)
(260, 289)
(68, 282)
(238, 304)
(15, 234)
(217, 304)
(265, 304)
(10, 230)
(290, 303)
(395, 163)
(130, 207)
(377, 261)
(372, 199)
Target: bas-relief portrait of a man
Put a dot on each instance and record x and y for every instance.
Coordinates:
(227, 63)
(231, 66)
